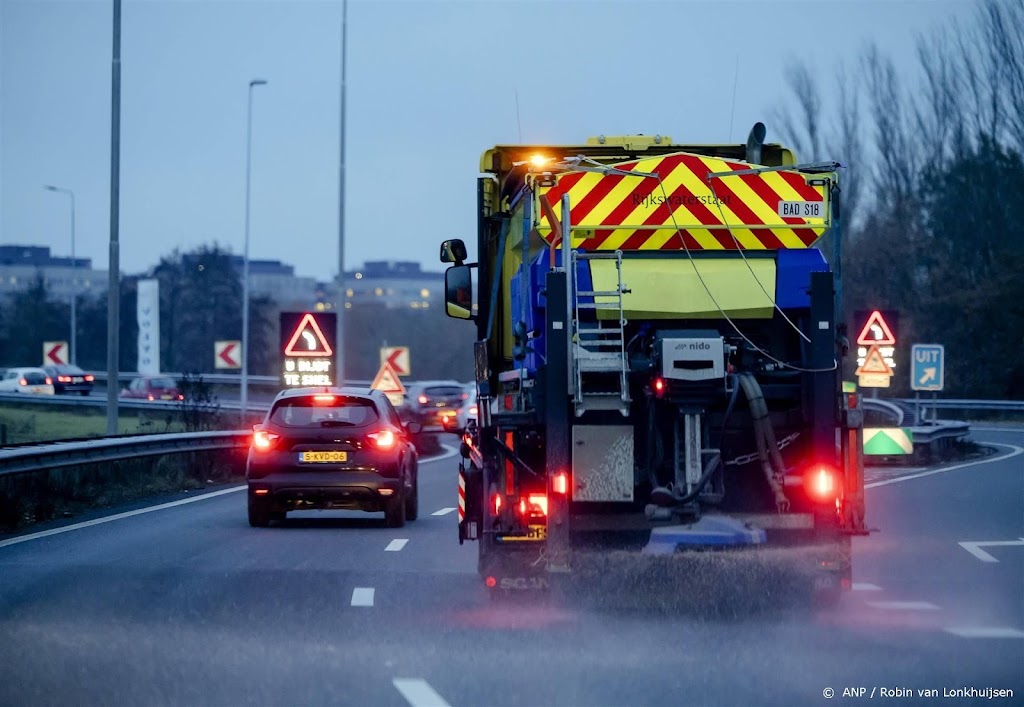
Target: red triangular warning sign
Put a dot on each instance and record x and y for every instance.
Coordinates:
(874, 362)
(876, 326)
(308, 340)
(387, 380)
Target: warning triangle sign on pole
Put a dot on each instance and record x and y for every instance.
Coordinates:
(875, 328)
(874, 362)
(308, 340)
(387, 380)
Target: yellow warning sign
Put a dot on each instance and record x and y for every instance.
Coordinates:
(387, 380)
(874, 363)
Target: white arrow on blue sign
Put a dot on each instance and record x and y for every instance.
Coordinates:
(927, 371)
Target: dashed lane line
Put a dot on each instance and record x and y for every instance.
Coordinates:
(442, 512)
(362, 596)
(418, 693)
(985, 632)
(903, 605)
(396, 545)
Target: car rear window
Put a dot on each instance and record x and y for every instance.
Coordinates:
(161, 383)
(446, 391)
(308, 411)
(34, 378)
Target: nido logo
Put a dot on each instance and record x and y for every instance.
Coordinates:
(694, 346)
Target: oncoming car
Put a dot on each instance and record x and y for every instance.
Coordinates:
(332, 448)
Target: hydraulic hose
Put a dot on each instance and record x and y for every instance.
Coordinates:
(768, 450)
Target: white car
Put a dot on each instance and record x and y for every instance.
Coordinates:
(26, 380)
(457, 420)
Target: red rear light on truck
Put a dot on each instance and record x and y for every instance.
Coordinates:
(560, 483)
(534, 504)
(496, 503)
(385, 439)
(263, 440)
(822, 482)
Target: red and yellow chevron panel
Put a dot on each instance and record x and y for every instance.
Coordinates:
(768, 211)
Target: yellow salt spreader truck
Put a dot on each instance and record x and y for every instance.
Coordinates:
(658, 365)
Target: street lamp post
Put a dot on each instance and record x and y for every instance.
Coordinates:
(245, 257)
(74, 270)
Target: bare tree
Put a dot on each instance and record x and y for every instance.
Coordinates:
(848, 144)
(803, 130)
(895, 174)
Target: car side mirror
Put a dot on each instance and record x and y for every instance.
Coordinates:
(454, 251)
(413, 428)
(458, 292)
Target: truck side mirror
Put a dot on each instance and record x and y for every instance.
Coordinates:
(454, 251)
(458, 292)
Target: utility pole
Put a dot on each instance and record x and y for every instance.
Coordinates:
(245, 259)
(114, 266)
(339, 375)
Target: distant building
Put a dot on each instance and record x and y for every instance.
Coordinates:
(394, 284)
(274, 279)
(20, 265)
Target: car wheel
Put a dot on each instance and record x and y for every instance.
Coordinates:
(394, 511)
(259, 514)
(412, 504)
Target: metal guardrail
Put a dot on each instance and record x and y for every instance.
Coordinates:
(218, 378)
(941, 429)
(885, 407)
(51, 455)
(122, 403)
(948, 404)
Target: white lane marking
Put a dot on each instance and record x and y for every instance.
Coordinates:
(362, 596)
(118, 516)
(396, 545)
(1016, 451)
(985, 632)
(1017, 430)
(975, 548)
(866, 587)
(442, 512)
(902, 605)
(418, 693)
(449, 452)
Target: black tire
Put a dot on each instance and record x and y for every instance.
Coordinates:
(259, 514)
(394, 512)
(412, 503)
(279, 516)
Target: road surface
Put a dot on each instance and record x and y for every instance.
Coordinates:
(188, 605)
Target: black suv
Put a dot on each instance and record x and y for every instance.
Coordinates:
(69, 379)
(332, 448)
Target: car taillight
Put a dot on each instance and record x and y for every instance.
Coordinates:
(560, 483)
(63, 379)
(385, 439)
(90, 378)
(150, 396)
(323, 399)
(422, 400)
(263, 440)
(49, 381)
(180, 396)
(473, 410)
(23, 382)
(821, 483)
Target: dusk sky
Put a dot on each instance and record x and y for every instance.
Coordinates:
(430, 86)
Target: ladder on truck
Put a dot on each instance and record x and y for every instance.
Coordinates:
(599, 362)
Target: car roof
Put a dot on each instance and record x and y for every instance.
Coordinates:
(348, 391)
(28, 369)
